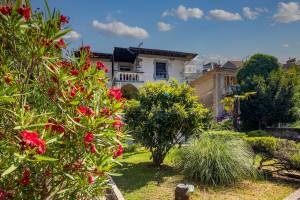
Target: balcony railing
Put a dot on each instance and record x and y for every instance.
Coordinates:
(128, 76)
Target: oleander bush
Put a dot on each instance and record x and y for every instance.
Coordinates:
(212, 160)
(60, 126)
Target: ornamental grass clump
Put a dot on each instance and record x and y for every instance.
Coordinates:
(215, 161)
(60, 126)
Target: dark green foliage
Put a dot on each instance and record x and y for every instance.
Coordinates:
(226, 124)
(216, 160)
(164, 114)
(275, 100)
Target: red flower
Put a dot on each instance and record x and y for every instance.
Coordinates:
(2, 194)
(73, 92)
(87, 64)
(64, 63)
(77, 119)
(86, 111)
(88, 138)
(25, 181)
(5, 10)
(115, 93)
(26, 107)
(105, 111)
(26, 173)
(118, 123)
(86, 49)
(60, 44)
(99, 65)
(51, 91)
(54, 126)
(119, 151)
(8, 79)
(25, 12)
(74, 72)
(63, 19)
(105, 69)
(32, 140)
(91, 179)
(93, 148)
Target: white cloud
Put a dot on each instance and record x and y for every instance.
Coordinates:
(287, 12)
(219, 14)
(120, 29)
(73, 36)
(250, 14)
(184, 13)
(262, 10)
(164, 27)
(286, 45)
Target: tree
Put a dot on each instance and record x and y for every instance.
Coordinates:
(60, 126)
(275, 89)
(163, 115)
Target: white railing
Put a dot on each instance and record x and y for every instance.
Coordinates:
(128, 76)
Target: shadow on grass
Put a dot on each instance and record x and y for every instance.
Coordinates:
(136, 176)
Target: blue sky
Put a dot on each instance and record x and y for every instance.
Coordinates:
(213, 28)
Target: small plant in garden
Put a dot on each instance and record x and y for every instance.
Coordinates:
(60, 126)
(163, 115)
(216, 160)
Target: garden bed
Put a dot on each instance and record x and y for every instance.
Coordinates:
(140, 180)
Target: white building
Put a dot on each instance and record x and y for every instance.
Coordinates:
(129, 68)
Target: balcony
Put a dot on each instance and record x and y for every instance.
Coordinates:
(130, 77)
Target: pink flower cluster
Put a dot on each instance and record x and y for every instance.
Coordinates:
(32, 140)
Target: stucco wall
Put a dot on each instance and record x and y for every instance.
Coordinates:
(175, 67)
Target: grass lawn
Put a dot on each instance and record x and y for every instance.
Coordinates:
(141, 181)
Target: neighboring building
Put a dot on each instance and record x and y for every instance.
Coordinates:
(289, 63)
(213, 85)
(129, 68)
(210, 66)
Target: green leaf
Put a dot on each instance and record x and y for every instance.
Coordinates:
(9, 170)
(70, 176)
(45, 158)
(51, 140)
(60, 34)
(7, 99)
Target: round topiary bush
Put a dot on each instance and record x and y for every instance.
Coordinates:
(215, 160)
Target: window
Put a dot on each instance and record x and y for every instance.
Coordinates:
(161, 70)
(125, 68)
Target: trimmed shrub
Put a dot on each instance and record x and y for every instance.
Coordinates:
(215, 160)
(281, 151)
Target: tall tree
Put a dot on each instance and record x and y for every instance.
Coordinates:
(275, 89)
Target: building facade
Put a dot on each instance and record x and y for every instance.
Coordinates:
(129, 68)
(213, 85)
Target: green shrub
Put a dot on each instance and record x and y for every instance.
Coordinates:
(258, 133)
(162, 111)
(225, 134)
(215, 160)
(226, 124)
(280, 151)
